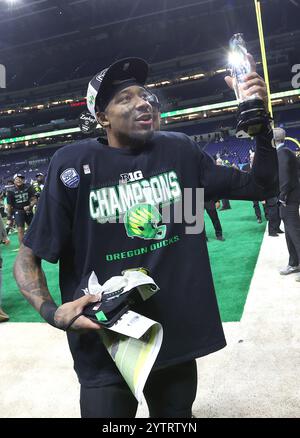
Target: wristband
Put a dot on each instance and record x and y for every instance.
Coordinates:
(47, 311)
(72, 320)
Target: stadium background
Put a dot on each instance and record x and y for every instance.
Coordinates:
(51, 49)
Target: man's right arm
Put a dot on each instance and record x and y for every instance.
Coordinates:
(33, 285)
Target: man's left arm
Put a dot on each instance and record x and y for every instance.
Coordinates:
(229, 183)
(264, 171)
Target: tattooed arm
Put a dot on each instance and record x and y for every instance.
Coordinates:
(32, 283)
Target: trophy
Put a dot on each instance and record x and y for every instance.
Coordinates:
(252, 116)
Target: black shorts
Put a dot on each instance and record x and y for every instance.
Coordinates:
(22, 218)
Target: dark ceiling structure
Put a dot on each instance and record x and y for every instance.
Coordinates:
(48, 41)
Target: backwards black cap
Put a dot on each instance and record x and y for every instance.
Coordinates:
(104, 85)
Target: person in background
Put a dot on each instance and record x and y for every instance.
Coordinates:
(272, 216)
(2, 206)
(10, 225)
(4, 240)
(289, 199)
(211, 210)
(38, 184)
(225, 202)
(21, 199)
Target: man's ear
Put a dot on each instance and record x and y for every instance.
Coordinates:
(102, 119)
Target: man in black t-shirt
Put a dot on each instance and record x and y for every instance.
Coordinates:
(90, 188)
(20, 201)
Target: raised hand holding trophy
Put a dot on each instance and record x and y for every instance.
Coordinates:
(252, 114)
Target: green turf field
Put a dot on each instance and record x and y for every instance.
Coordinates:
(232, 261)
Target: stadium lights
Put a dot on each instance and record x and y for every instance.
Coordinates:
(277, 101)
(199, 75)
(193, 116)
(224, 105)
(183, 114)
(81, 100)
(192, 77)
(285, 94)
(46, 135)
(199, 108)
(40, 135)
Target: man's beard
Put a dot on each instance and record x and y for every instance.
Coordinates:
(135, 140)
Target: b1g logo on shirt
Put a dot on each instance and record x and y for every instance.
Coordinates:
(70, 178)
(131, 176)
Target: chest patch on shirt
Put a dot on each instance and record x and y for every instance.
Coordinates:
(86, 169)
(70, 178)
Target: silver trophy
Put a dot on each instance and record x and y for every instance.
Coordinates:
(251, 113)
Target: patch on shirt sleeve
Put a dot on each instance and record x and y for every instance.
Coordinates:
(70, 178)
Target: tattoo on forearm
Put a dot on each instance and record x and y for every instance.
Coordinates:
(31, 278)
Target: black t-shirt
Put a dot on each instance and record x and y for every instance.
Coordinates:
(19, 198)
(89, 183)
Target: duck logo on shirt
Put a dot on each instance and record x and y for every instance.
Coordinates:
(142, 221)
